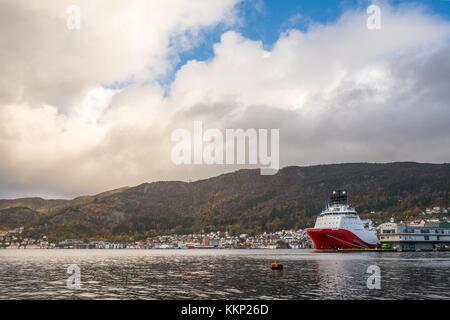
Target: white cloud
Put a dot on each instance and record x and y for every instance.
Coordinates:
(118, 40)
(338, 92)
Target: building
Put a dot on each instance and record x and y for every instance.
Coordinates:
(69, 243)
(415, 235)
(214, 242)
(436, 210)
(205, 241)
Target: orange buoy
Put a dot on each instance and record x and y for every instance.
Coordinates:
(276, 266)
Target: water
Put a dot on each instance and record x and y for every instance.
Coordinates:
(222, 274)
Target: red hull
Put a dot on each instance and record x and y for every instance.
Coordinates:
(326, 239)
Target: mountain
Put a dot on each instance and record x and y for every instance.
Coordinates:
(17, 216)
(48, 206)
(242, 201)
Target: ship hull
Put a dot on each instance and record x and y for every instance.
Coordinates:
(333, 239)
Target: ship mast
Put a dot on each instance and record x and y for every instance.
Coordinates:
(338, 197)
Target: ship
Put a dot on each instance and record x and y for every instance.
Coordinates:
(340, 227)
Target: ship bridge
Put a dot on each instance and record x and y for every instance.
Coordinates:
(338, 204)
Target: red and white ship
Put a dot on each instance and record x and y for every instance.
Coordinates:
(339, 227)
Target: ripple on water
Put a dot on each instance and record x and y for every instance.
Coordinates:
(221, 274)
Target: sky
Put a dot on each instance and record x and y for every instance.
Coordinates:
(89, 109)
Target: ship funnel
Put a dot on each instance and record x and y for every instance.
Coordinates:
(338, 197)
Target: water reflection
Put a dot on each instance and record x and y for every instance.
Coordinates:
(222, 274)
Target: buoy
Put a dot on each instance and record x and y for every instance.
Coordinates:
(276, 266)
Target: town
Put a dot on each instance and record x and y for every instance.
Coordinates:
(284, 239)
(429, 233)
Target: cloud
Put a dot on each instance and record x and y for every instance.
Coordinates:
(44, 61)
(337, 92)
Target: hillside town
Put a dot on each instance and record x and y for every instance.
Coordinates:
(284, 239)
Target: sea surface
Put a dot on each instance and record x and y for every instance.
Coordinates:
(222, 274)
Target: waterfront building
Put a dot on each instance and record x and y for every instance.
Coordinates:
(415, 235)
(214, 242)
(69, 242)
(205, 241)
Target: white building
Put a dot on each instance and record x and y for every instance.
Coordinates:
(410, 235)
